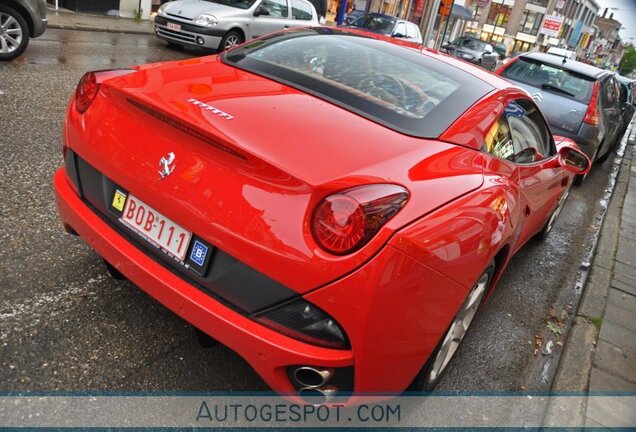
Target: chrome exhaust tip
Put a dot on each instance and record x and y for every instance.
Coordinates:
(318, 396)
(310, 377)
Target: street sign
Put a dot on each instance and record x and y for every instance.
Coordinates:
(551, 25)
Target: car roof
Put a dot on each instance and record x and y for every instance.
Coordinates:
(570, 65)
(623, 79)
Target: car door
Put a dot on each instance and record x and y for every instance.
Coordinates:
(527, 160)
(302, 14)
(270, 16)
(541, 179)
(611, 112)
(399, 31)
(413, 33)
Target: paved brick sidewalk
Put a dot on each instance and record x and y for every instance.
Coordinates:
(65, 19)
(614, 360)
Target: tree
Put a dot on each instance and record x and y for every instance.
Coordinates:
(628, 61)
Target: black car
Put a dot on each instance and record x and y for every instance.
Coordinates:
(469, 48)
(580, 101)
(20, 20)
(627, 100)
(389, 26)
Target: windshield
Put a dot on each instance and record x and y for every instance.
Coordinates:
(375, 23)
(551, 78)
(241, 4)
(392, 85)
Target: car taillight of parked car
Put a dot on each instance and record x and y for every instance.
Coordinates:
(344, 222)
(88, 86)
(591, 115)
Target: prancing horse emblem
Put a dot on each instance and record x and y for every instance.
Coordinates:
(165, 163)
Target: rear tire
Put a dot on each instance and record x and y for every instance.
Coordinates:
(14, 33)
(436, 365)
(230, 40)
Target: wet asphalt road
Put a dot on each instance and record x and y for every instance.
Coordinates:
(65, 325)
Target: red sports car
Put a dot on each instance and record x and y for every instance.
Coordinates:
(332, 207)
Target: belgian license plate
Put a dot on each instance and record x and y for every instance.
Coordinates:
(173, 26)
(155, 227)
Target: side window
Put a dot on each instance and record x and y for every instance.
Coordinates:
(498, 141)
(400, 28)
(531, 137)
(301, 10)
(276, 8)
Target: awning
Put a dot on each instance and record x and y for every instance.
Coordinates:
(461, 12)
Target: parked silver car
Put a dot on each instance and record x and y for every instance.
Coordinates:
(222, 24)
(20, 20)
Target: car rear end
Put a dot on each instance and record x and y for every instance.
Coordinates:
(569, 100)
(227, 206)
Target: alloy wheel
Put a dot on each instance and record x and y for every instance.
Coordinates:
(11, 33)
(231, 41)
(458, 329)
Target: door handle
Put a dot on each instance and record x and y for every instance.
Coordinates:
(286, 26)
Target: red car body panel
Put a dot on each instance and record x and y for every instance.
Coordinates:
(249, 185)
(263, 204)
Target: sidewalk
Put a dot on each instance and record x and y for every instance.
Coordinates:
(65, 19)
(600, 353)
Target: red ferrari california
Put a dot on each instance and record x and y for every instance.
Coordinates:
(332, 207)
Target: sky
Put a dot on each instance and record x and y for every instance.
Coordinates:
(625, 13)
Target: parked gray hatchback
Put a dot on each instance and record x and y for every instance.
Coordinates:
(20, 20)
(579, 101)
(222, 24)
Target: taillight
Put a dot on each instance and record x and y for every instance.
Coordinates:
(591, 115)
(89, 86)
(86, 92)
(344, 222)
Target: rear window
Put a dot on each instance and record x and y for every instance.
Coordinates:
(392, 85)
(551, 78)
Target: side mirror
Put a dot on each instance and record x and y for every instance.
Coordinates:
(574, 160)
(527, 155)
(261, 11)
(489, 49)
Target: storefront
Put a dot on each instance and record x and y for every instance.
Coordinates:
(123, 8)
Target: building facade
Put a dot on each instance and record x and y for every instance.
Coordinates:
(607, 49)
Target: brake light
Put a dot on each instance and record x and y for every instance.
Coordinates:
(89, 86)
(86, 92)
(591, 115)
(344, 222)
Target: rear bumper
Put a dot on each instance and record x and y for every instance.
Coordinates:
(394, 308)
(267, 351)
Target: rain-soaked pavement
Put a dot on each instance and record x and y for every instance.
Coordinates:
(65, 325)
